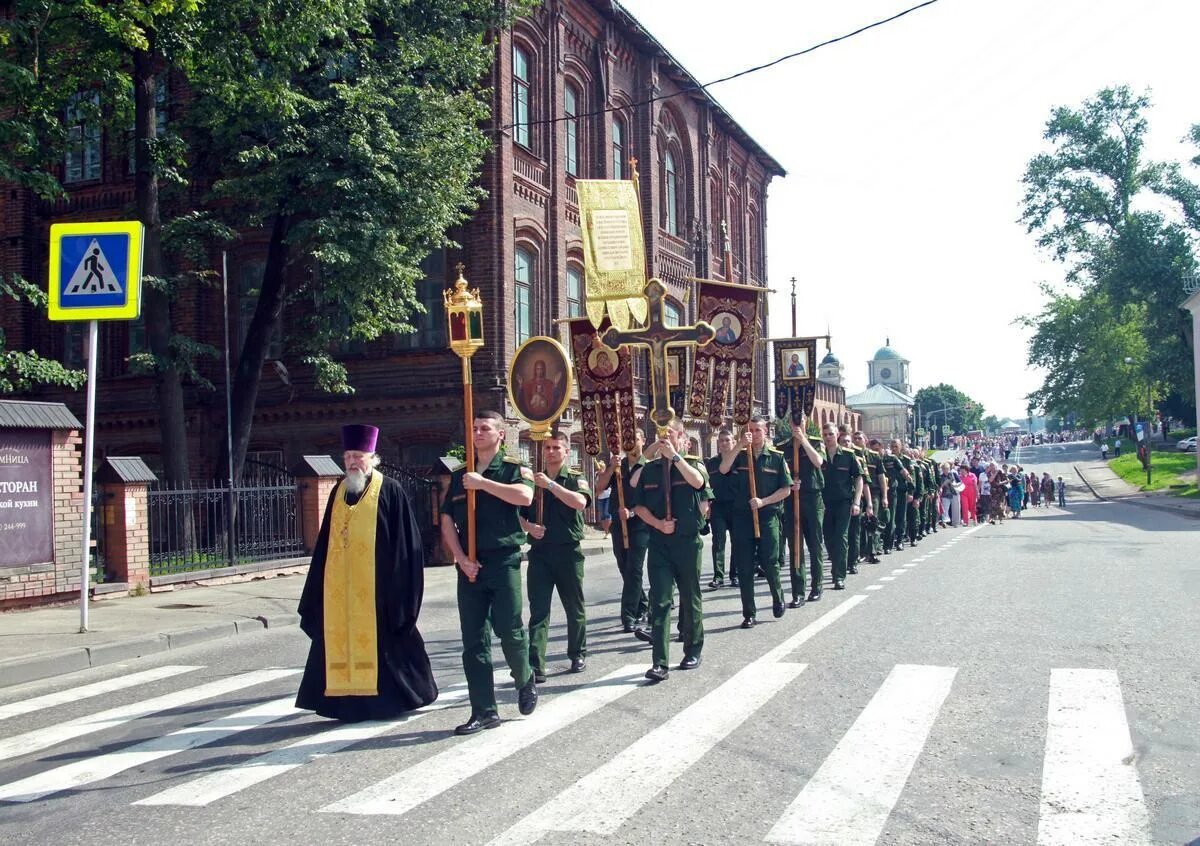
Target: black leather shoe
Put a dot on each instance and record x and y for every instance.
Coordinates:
(716, 583)
(838, 584)
(643, 635)
(479, 722)
(578, 665)
(796, 602)
(539, 676)
(527, 698)
(777, 609)
(748, 623)
(690, 662)
(657, 673)
(852, 570)
(627, 628)
(733, 582)
(887, 551)
(814, 595)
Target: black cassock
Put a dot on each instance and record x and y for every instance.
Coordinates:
(405, 677)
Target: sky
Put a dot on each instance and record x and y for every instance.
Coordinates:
(905, 147)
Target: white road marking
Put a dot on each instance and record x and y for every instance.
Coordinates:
(229, 780)
(899, 571)
(848, 800)
(602, 801)
(63, 697)
(1091, 792)
(34, 741)
(421, 782)
(791, 644)
(92, 769)
(874, 587)
(887, 578)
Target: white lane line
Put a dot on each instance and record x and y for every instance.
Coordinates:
(911, 564)
(848, 800)
(421, 782)
(604, 799)
(1091, 792)
(34, 741)
(791, 644)
(63, 697)
(899, 571)
(229, 780)
(874, 587)
(887, 578)
(89, 770)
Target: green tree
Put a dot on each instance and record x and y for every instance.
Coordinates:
(990, 424)
(23, 371)
(1094, 203)
(944, 404)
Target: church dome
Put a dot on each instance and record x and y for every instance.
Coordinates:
(830, 358)
(887, 354)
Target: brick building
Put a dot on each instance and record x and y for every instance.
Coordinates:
(579, 88)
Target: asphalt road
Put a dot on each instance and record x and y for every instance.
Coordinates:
(1027, 683)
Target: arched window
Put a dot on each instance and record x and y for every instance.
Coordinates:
(574, 291)
(520, 94)
(618, 148)
(571, 112)
(671, 193)
(523, 300)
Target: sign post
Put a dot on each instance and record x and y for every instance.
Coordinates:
(95, 274)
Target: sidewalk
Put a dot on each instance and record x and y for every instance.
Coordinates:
(1107, 485)
(38, 643)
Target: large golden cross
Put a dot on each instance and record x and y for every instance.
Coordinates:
(656, 336)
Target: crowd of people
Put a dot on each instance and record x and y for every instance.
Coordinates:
(981, 485)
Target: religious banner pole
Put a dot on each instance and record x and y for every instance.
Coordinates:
(797, 517)
(464, 318)
(749, 447)
(539, 389)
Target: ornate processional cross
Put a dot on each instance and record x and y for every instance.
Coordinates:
(656, 336)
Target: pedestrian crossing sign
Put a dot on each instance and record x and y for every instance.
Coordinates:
(96, 270)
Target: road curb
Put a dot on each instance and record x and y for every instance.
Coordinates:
(21, 670)
(1182, 511)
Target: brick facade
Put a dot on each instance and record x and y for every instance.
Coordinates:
(411, 387)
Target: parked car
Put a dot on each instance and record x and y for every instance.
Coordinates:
(1187, 444)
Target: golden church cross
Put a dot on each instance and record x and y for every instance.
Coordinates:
(656, 336)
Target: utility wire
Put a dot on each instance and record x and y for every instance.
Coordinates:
(703, 87)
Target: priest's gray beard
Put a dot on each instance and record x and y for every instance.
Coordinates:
(356, 482)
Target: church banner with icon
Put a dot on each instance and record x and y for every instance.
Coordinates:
(795, 377)
(733, 312)
(605, 378)
(614, 254)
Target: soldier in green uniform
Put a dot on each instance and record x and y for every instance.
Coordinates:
(929, 523)
(631, 559)
(720, 513)
(489, 586)
(904, 494)
(808, 479)
(773, 484)
(918, 493)
(554, 523)
(878, 461)
(868, 546)
(854, 534)
(675, 545)
(843, 491)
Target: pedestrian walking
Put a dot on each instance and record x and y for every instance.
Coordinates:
(1062, 493)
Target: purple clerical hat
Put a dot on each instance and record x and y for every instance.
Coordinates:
(358, 437)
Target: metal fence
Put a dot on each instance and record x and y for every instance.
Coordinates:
(189, 525)
(425, 496)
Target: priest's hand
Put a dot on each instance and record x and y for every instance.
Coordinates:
(469, 568)
(473, 481)
(537, 531)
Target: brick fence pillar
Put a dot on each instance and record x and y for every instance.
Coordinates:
(316, 477)
(125, 488)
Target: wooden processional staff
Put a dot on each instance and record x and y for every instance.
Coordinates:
(464, 318)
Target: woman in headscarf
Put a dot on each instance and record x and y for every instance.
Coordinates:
(999, 493)
(1016, 492)
(970, 495)
(1047, 490)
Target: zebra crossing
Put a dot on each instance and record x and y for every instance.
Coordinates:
(1090, 787)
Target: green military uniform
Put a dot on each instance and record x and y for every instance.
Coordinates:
(812, 514)
(905, 489)
(631, 561)
(674, 559)
(918, 494)
(770, 475)
(495, 595)
(929, 522)
(720, 517)
(841, 471)
(887, 514)
(556, 563)
(872, 545)
(854, 548)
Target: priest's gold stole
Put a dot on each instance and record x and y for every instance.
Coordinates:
(351, 653)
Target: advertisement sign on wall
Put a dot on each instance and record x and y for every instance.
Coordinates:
(26, 498)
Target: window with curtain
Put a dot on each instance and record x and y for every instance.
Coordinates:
(671, 194)
(618, 148)
(523, 302)
(574, 291)
(571, 112)
(520, 94)
(82, 162)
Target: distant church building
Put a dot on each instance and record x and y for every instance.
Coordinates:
(886, 404)
(831, 405)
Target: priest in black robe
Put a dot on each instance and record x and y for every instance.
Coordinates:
(362, 597)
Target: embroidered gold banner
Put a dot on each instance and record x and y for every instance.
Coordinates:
(614, 254)
(351, 652)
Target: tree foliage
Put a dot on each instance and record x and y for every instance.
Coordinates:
(944, 404)
(1100, 207)
(20, 372)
